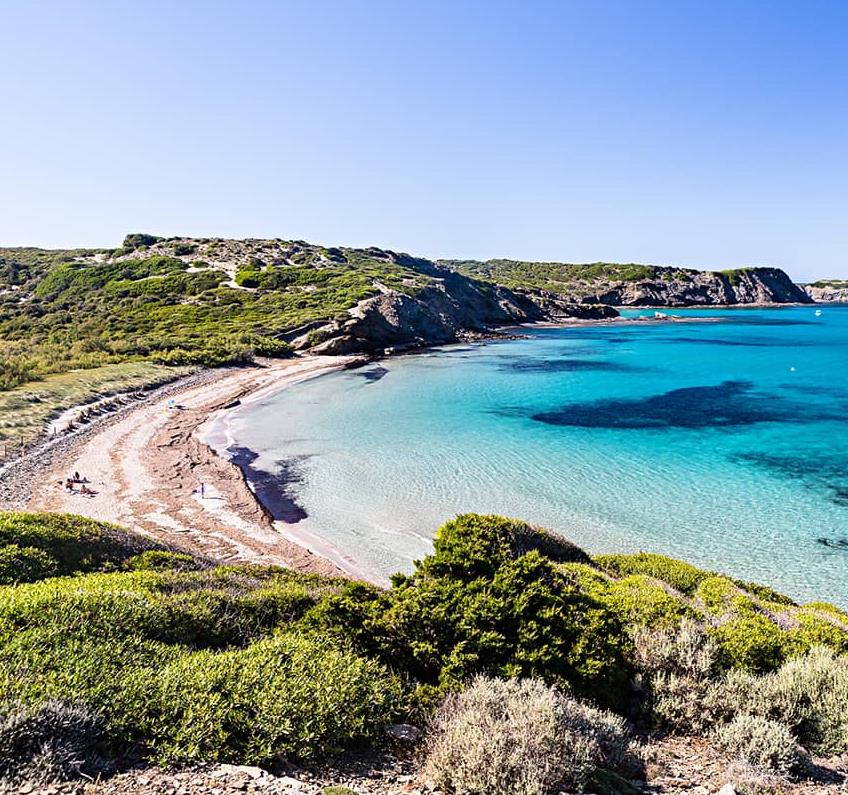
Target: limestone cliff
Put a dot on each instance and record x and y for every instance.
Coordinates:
(641, 285)
(828, 291)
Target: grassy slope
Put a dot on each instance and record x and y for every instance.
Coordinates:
(175, 301)
(26, 410)
(195, 662)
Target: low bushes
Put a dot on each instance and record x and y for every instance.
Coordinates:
(519, 737)
(680, 666)
(252, 664)
(47, 544)
(682, 576)
(689, 691)
(25, 564)
(808, 694)
(52, 742)
(765, 744)
(473, 546)
(160, 560)
(642, 601)
(487, 601)
(206, 609)
(192, 665)
(288, 695)
(285, 696)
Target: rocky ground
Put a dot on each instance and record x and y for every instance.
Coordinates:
(669, 766)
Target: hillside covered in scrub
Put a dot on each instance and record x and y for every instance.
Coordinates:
(185, 301)
(193, 301)
(639, 285)
(529, 666)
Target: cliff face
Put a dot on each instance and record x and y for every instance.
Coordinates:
(673, 287)
(641, 285)
(835, 291)
(450, 308)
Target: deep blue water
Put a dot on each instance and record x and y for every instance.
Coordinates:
(720, 442)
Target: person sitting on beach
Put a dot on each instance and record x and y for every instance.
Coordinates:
(87, 491)
(69, 485)
(77, 478)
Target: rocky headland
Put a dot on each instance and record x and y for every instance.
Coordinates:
(828, 291)
(641, 285)
(451, 307)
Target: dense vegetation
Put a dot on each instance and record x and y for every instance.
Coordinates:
(573, 279)
(110, 645)
(176, 301)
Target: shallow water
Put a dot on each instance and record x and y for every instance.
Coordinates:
(721, 442)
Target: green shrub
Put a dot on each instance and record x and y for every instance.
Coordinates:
(287, 695)
(316, 336)
(765, 594)
(747, 634)
(474, 545)
(753, 642)
(73, 543)
(114, 675)
(488, 602)
(212, 608)
(248, 277)
(682, 576)
(819, 629)
(641, 601)
(766, 744)
(828, 609)
(138, 239)
(271, 347)
(518, 737)
(720, 596)
(160, 560)
(25, 564)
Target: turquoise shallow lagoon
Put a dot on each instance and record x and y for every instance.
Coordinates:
(721, 442)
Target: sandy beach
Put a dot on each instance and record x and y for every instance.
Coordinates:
(147, 465)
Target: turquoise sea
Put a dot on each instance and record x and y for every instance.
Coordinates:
(720, 441)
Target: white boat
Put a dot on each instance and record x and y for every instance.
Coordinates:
(818, 313)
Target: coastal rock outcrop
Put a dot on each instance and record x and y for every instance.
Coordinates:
(676, 287)
(632, 284)
(450, 308)
(829, 291)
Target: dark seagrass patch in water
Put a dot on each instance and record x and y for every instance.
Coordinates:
(725, 405)
(275, 490)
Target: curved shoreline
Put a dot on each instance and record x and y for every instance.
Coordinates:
(153, 474)
(147, 462)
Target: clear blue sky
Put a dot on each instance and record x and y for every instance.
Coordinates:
(704, 133)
